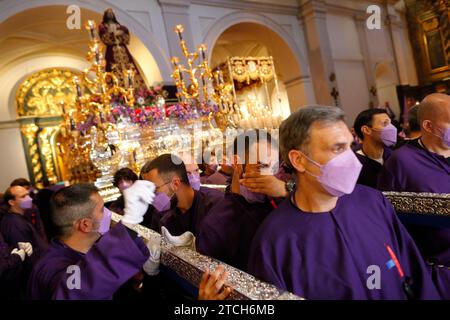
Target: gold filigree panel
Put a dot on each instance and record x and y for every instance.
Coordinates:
(41, 94)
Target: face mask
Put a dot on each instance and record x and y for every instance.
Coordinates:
(339, 175)
(252, 197)
(161, 201)
(26, 203)
(388, 135)
(106, 222)
(194, 180)
(445, 136)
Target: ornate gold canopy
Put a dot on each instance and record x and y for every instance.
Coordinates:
(41, 100)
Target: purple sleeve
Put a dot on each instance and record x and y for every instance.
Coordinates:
(9, 265)
(114, 259)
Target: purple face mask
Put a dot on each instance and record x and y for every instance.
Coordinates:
(445, 136)
(389, 135)
(194, 180)
(26, 203)
(106, 222)
(161, 201)
(339, 175)
(252, 197)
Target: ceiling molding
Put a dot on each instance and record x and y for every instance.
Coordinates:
(250, 6)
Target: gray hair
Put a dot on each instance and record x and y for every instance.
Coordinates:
(296, 129)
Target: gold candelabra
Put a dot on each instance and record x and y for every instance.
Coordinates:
(90, 154)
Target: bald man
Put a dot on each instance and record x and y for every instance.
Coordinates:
(423, 165)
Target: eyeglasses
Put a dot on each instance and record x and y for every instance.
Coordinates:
(157, 187)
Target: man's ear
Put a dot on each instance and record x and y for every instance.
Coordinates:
(11, 202)
(427, 126)
(85, 225)
(366, 130)
(296, 159)
(176, 182)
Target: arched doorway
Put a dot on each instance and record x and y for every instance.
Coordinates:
(34, 40)
(254, 39)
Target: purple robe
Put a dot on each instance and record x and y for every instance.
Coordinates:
(411, 168)
(113, 259)
(327, 255)
(10, 269)
(371, 168)
(228, 230)
(177, 222)
(16, 228)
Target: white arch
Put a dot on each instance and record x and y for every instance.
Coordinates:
(15, 75)
(225, 22)
(149, 40)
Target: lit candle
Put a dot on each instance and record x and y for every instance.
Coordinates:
(97, 54)
(91, 25)
(202, 49)
(179, 30)
(130, 78)
(63, 109)
(180, 74)
(72, 122)
(77, 84)
(219, 77)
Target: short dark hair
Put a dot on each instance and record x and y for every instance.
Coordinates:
(8, 195)
(244, 138)
(124, 174)
(295, 131)
(365, 118)
(22, 182)
(413, 119)
(70, 204)
(167, 165)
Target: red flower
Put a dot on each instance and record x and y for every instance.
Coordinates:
(138, 111)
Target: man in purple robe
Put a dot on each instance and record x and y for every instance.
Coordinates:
(423, 165)
(228, 230)
(11, 261)
(181, 208)
(16, 228)
(86, 261)
(374, 128)
(330, 239)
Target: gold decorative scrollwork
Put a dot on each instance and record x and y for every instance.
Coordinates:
(45, 137)
(29, 131)
(42, 93)
(251, 68)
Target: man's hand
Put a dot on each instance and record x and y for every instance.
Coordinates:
(27, 247)
(137, 198)
(212, 285)
(266, 184)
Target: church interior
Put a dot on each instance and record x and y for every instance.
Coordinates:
(96, 94)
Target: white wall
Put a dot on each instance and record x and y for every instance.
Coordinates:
(12, 164)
